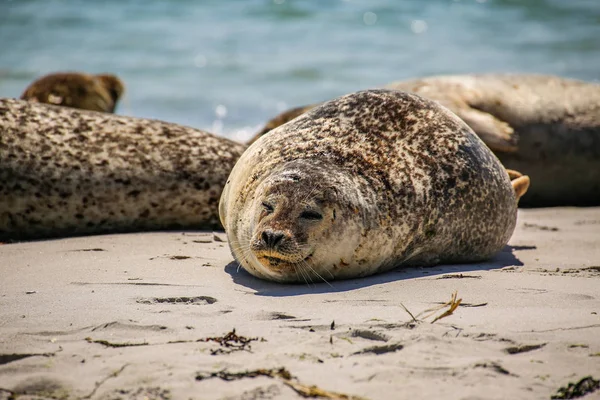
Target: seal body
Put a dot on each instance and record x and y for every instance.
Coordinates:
(66, 172)
(545, 126)
(362, 184)
(78, 90)
(555, 124)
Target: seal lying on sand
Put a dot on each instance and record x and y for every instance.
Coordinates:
(365, 183)
(72, 89)
(66, 172)
(555, 120)
(546, 126)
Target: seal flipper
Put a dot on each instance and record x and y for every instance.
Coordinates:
(496, 134)
(512, 174)
(519, 182)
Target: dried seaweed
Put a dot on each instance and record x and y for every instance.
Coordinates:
(115, 345)
(285, 377)
(574, 390)
(524, 348)
(231, 343)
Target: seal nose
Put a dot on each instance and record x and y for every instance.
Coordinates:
(272, 239)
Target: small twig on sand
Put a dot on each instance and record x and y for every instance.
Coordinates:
(409, 313)
(100, 383)
(453, 304)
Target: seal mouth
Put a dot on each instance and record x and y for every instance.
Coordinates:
(281, 261)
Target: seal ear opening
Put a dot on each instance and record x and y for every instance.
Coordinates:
(519, 182)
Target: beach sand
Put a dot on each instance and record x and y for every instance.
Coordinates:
(147, 315)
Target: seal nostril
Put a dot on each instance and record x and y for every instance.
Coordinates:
(277, 238)
(271, 239)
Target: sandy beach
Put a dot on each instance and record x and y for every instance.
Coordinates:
(152, 316)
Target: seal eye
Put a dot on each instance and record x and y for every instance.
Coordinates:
(311, 215)
(268, 208)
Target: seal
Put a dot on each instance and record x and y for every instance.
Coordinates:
(555, 123)
(72, 89)
(543, 125)
(66, 172)
(365, 183)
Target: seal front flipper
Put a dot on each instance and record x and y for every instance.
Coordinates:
(496, 134)
(519, 182)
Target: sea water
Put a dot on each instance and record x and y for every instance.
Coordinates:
(227, 66)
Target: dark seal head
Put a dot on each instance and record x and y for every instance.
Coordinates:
(365, 183)
(77, 90)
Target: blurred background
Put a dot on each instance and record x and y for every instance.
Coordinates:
(227, 66)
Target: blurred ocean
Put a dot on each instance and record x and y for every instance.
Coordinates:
(226, 66)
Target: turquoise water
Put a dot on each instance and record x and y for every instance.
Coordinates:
(226, 66)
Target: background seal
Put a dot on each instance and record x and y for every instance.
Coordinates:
(66, 172)
(78, 90)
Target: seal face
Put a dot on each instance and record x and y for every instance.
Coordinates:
(365, 183)
(73, 89)
(66, 172)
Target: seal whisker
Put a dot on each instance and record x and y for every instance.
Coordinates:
(304, 263)
(307, 197)
(303, 273)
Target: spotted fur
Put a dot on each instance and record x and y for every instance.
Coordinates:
(410, 183)
(556, 125)
(67, 172)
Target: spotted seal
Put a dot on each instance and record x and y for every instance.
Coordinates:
(556, 125)
(78, 90)
(365, 183)
(546, 126)
(66, 172)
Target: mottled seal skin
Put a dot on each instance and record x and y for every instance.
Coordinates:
(545, 126)
(73, 89)
(66, 172)
(365, 183)
(556, 125)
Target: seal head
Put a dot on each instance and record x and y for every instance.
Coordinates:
(77, 90)
(285, 224)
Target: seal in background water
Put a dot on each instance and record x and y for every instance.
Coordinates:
(365, 183)
(545, 126)
(72, 89)
(66, 172)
